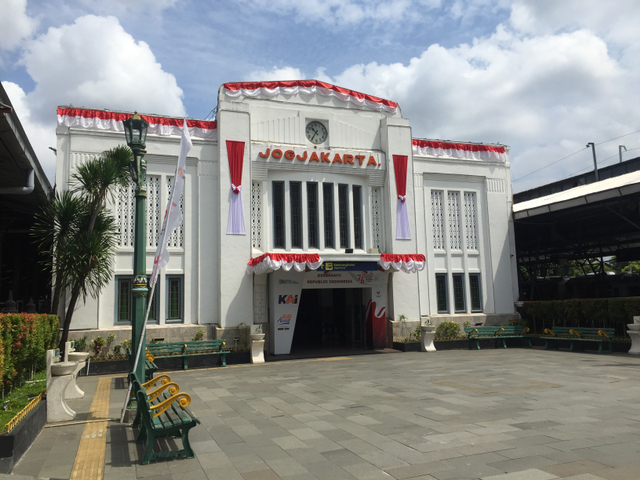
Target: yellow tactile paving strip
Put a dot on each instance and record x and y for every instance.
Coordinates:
(89, 464)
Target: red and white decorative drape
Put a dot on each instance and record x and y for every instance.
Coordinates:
(112, 121)
(286, 261)
(468, 151)
(308, 87)
(235, 224)
(403, 232)
(407, 263)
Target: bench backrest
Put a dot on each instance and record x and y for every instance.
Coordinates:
(155, 348)
(581, 331)
(186, 347)
(495, 330)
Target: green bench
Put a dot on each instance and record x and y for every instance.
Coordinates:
(498, 333)
(190, 349)
(163, 413)
(149, 366)
(578, 336)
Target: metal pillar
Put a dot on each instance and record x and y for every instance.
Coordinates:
(139, 289)
(595, 163)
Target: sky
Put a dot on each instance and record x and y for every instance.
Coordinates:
(544, 77)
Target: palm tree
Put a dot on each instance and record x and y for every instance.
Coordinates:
(79, 234)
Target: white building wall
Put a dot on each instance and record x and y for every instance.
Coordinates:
(493, 259)
(217, 288)
(78, 145)
(236, 287)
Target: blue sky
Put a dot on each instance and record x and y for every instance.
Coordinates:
(542, 76)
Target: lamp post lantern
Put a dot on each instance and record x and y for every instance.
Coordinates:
(135, 130)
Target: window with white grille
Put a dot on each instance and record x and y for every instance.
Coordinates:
(176, 239)
(125, 215)
(376, 219)
(453, 212)
(299, 208)
(153, 210)
(256, 215)
(437, 219)
(471, 220)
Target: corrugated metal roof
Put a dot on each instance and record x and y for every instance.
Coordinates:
(581, 195)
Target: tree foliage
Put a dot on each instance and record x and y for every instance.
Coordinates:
(78, 234)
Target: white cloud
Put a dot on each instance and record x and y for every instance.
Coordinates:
(92, 63)
(95, 63)
(15, 24)
(346, 12)
(540, 94)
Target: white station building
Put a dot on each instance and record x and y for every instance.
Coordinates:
(310, 210)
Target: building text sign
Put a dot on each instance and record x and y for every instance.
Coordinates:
(311, 157)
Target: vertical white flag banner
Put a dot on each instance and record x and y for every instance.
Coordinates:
(173, 213)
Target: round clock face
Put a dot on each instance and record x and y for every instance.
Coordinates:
(316, 132)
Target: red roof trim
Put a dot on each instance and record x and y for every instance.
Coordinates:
(119, 116)
(307, 84)
(457, 146)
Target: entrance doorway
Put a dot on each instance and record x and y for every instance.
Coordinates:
(330, 319)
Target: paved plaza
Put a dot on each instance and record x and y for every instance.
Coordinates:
(514, 414)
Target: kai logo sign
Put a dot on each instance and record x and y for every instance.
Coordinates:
(288, 299)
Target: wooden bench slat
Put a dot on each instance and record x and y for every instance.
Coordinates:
(191, 349)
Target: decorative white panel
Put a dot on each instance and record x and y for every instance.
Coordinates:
(376, 218)
(279, 130)
(453, 215)
(256, 215)
(418, 181)
(495, 185)
(125, 215)
(76, 159)
(153, 210)
(260, 303)
(437, 219)
(176, 239)
(471, 220)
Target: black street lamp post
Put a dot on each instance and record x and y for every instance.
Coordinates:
(135, 130)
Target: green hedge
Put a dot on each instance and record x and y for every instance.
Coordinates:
(25, 340)
(587, 312)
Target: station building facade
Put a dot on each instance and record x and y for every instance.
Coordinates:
(311, 211)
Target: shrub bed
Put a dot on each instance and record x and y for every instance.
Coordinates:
(587, 312)
(25, 340)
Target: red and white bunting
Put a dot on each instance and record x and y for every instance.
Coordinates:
(468, 151)
(407, 263)
(309, 87)
(112, 121)
(286, 261)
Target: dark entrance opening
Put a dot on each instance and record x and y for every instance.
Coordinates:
(330, 319)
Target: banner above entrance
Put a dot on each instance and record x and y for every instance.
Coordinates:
(286, 261)
(301, 262)
(407, 263)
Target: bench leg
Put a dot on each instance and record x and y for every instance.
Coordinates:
(471, 343)
(148, 450)
(223, 359)
(188, 451)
